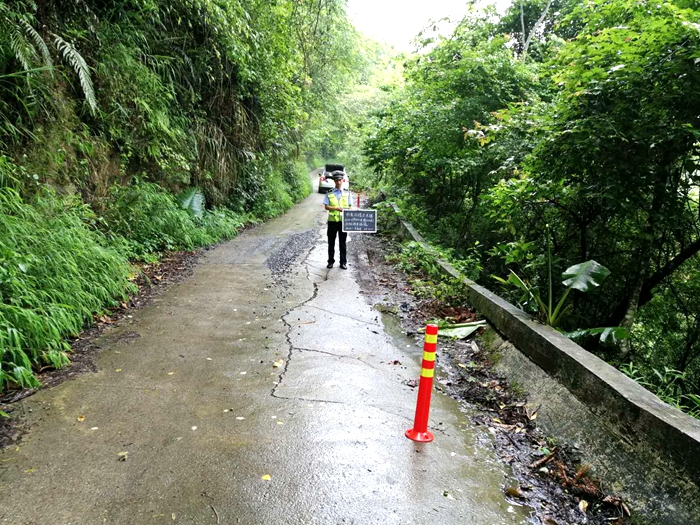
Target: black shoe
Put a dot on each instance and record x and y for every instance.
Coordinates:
(329, 265)
(343, 266)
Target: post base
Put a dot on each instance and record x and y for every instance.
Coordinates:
(421, 437)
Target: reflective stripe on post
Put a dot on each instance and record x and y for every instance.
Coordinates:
(420, 432)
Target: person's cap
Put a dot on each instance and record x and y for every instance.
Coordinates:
(337, 175)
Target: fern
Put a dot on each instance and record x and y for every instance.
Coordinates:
(23, 51)
(38, 42)
(192, 200)
(77, 62)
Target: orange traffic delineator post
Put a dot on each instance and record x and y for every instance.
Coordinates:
(420, 432)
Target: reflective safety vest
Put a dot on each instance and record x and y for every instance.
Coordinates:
(336, 216)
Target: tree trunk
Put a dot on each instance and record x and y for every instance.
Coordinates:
(522, 31)
(631, 313)
(534, 29)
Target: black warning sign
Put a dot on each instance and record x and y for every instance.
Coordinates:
(360, 221)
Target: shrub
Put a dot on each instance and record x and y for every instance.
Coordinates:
(146, 219)
(281, 189)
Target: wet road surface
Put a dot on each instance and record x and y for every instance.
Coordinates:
(263, 363)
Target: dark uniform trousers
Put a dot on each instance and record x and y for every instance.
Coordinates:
(336, 229)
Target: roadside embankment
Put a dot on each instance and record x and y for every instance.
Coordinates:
(646, 450)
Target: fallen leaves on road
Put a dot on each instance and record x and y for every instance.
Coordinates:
(278, 363)
(514, 492)
(266, 477)
(544, 460)
(81, 418)
(461, 331)
(122, 456)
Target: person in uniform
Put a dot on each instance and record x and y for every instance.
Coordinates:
(335, 201)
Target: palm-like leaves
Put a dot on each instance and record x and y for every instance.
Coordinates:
(77, 62)
(38, 42)
(23, 89)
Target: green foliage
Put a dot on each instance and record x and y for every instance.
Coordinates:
(587, 147)
(77, 62)
(56, 272)
(428, 279)
(338, 133)
(150, 219)
(667, 384)
(613, 334)
(280, 190)
(192, 200)
(214, 102)
(26, 71)
(419, 142)
(583, 277)
(216, 95)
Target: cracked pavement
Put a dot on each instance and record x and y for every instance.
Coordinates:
(203, 414)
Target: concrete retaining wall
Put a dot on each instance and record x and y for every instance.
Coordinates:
(647, 451)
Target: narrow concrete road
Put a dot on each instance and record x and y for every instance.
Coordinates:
(188, 389)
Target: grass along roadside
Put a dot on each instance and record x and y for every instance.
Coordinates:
(63, 266)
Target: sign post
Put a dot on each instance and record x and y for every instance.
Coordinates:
(360, 221)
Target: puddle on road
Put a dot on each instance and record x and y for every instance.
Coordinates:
(393, 328)
(475, 441)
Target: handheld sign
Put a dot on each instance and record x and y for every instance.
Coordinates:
(360, 221)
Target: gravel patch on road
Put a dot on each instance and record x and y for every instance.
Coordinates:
(281, 261)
